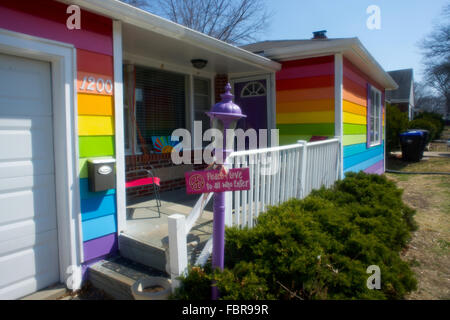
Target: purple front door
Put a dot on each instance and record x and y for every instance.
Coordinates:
(251, 96)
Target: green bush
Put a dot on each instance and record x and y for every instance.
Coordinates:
(436, 118)
(396, 123)
(317, 248)
(424, 124)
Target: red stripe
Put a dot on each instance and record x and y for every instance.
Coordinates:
(307, 62)
(324, 69)
(47, 19)
(142, 182)
(304, 83)
(88, 61)
(351, 71)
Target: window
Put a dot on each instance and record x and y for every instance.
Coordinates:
(253, 89)
(375, 117)
(160, 104)
(202, 101)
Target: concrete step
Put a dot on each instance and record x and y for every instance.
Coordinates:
(150, 248)
(116, 275)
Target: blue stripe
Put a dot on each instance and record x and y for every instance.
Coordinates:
(97, 207)
(361, 157)
(366, 164)
(86, 194)
(96, 228)
(354, 149)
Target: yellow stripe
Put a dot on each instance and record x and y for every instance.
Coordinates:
(94, 104)
(354, 119)
(95, 126)
(305, 117)
(306, 106)
(354, 108)
(354, 139)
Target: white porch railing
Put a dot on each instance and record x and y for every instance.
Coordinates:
(276, 175)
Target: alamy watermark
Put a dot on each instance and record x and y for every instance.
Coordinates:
(374, 281)
(74, 20)
(374, 20)
(235, 140)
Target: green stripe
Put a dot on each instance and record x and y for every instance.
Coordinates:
(96, 146)
(291, 139)
(354, 139)
(83, 168)
(355, 129)
(316, 129)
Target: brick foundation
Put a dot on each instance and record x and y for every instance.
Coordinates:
(220, 82)
(158, 161)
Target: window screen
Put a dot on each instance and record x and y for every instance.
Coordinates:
(202, 101)
(375, 117)
(160, 103)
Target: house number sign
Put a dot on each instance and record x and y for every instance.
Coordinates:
(92, 83)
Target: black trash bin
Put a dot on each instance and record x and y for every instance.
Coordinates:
(425, 136)
(412, 144)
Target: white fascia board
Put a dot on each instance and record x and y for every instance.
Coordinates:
(118, 10)
(374, 66)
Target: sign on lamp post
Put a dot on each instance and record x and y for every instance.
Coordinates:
(224, 115)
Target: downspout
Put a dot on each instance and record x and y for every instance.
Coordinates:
(338, 114)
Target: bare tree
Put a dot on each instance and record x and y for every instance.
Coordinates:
(436, 50)
(232, 21)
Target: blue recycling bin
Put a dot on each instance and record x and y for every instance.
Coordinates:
(412, 145)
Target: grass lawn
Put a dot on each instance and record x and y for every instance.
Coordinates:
(429, 250)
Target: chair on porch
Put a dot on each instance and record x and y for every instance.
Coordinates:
(144, 177)
(317, 138)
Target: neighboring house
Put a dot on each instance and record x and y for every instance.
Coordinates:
(331, 87)
(403, 97)
(63, 101)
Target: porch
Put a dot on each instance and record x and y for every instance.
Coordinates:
(145, 239)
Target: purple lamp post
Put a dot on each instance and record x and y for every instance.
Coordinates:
(224, 115)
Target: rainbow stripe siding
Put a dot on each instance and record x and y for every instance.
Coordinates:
(357, 156)
(94, 49)
(306, 103)
(96, 139)
(305, 99)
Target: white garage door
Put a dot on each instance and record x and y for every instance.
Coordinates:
(28, 234)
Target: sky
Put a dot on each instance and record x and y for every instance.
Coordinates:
(403, 24)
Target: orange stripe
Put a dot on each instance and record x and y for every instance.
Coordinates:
(354, 108)
(303, 83)
(350, 96)
(94, 104)
(305, 94)
(355, 88)
(306, 106)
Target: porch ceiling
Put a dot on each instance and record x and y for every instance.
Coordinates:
(179, 52)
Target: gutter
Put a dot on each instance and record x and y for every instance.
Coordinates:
(120, 11)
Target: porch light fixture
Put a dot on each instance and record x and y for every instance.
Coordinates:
(199, 63)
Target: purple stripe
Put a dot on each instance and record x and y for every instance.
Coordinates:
(99, 247)
(377, 168)
(85, 266)
(369, 106)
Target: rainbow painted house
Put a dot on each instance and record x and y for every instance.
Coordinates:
(75, 95)
(327, 88)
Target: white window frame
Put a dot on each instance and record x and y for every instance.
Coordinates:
(377, 115)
